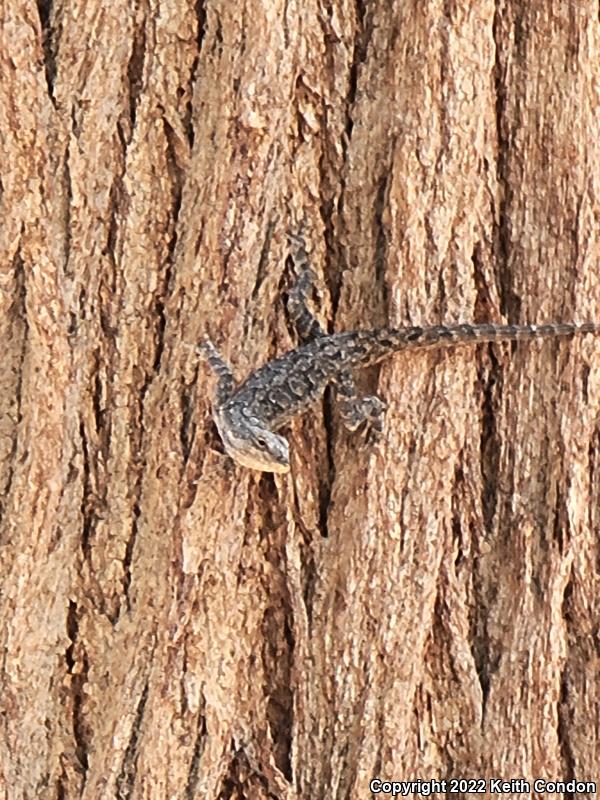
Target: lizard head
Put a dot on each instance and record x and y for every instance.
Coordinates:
(253, 446)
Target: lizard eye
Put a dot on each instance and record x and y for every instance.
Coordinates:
(262, 443)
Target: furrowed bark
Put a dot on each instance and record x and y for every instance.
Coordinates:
(173, 625)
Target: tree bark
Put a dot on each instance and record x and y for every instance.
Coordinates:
(173, 625)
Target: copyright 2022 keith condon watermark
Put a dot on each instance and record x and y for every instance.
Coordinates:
(480, 786)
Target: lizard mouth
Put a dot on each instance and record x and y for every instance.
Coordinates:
(262, 463)
(279, 468)
(272, 464)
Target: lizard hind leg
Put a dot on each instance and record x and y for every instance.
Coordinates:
(356, 410)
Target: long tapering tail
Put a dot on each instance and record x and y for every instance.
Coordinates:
(369, 347)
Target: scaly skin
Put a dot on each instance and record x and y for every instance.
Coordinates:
(249, 416)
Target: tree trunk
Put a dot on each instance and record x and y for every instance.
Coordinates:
(176, 626)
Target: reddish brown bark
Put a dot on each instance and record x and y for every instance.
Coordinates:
(174, 626)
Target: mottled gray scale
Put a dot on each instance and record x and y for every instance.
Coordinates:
(413, 334)
(298, 386)
(278, 397)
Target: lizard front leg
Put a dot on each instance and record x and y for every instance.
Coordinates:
(226, 379)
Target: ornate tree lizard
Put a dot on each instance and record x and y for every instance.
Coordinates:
(248, 416)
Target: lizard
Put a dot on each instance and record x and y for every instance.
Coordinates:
(249, 415)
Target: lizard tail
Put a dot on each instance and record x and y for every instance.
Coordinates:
(370, 347)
